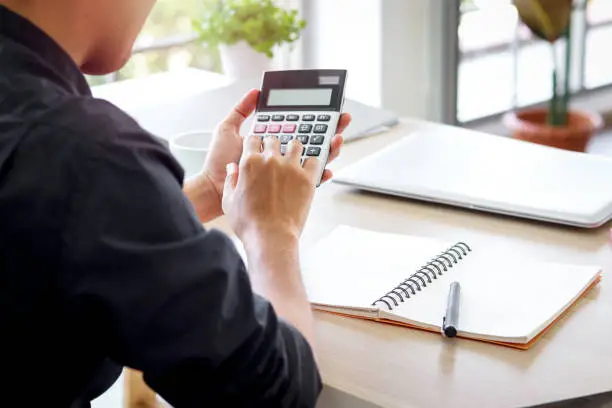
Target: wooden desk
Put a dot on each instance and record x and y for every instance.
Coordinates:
(397, 367)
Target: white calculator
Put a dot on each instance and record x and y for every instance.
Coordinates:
(304, 105)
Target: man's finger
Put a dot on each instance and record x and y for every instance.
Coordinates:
(271, 147)
(327, 175)
(252, 145)
(231, 177)
(345, 120)
(243, 108)
(311, 166)
(294, 151)
(336, 146)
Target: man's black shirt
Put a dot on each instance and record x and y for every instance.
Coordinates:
(104, 264)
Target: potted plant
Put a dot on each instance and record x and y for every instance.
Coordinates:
(557, 125)
(246, 33)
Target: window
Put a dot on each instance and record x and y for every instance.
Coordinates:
(167, 42)
(598, 64)
(502, 66)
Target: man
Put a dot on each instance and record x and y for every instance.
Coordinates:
(104, 261)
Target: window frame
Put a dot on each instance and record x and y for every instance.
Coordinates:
(581, 27)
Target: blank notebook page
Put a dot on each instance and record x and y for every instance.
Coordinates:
(353, 267)
(501, 299)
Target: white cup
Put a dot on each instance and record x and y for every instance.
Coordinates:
(190, 150)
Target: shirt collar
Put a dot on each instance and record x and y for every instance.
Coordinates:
(20, 30)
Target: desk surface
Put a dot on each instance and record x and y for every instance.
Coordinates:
(398, 367)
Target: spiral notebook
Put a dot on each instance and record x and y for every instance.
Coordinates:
(402, 279)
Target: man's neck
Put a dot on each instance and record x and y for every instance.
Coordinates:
(47, 18)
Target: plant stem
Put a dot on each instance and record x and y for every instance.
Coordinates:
(553, 108)
(568, 62)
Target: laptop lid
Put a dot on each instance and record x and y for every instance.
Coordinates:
(490, 173)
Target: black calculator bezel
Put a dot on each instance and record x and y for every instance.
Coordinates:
(302, 79)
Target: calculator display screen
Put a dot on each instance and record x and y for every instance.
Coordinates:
(300, 97)
(302, 90)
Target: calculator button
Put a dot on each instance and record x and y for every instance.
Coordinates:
(293, 118)
(274, 129)
(283, 149)
(320, 128)
(313, 151)
(303, 139)
(278, 118)
(289, 128)
(308, 118)
(324, 118)
(305, 128)
(260, 129)
(317, 140)
(263, 118)
(284, 139)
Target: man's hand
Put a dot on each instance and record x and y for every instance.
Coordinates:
(206, 190)
(268, 195)
(267, 199)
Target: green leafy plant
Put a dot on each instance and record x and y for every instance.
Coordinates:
(260, 23)
(551, 21)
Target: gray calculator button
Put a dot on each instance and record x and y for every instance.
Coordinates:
(278, 118)
(263, 118)
(308, 118)
(320, 128)
(313, 151)
(317, 140)
(303, 139)
(293, 118)
(284, 139)
(324, 118)
(305, 128)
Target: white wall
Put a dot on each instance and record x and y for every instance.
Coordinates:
(393, 50)
(346, 34)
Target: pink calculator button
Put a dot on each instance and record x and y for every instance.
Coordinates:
(274, 129)
(289, 128)
(260, 129)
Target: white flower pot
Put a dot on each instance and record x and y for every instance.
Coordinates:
(241, 61)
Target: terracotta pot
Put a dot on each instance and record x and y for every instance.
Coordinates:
(530, 125)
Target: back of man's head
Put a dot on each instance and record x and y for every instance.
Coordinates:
(97, 34)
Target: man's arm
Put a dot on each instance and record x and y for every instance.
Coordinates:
(204, 196)
(174, 300)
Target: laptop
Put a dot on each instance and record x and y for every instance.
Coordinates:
(489, 173)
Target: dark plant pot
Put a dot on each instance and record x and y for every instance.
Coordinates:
(530, 125)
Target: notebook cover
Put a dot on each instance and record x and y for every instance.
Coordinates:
(521, 346)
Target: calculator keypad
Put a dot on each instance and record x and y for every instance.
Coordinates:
(312, 130)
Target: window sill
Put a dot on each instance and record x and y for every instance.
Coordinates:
(598, 101)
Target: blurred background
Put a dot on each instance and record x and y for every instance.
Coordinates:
(454, 61)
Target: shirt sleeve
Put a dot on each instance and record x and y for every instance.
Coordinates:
(169, 297)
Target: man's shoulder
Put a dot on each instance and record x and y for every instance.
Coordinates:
(97, 122)
(97, 129)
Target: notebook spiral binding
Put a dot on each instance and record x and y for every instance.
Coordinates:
(420, 279)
